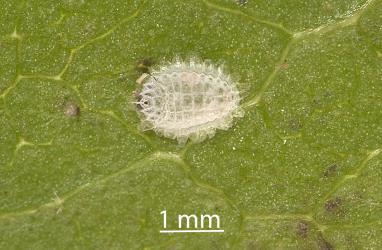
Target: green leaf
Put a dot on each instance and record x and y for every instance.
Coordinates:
(301, 169)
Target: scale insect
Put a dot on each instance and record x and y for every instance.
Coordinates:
(188, 100)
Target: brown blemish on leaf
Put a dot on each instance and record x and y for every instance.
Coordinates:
(144, 65)
(333, 205)
(284, 65)
(295, 124)
(302, 229)
(331, 171)
(323, 244)
(319, 100)
(71, 110)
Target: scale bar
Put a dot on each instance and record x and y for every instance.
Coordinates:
(192, 231)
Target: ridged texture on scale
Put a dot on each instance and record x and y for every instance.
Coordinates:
(188, 100)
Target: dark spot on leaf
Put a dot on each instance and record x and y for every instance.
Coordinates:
(321, 99)
(71, 109)
(333, 205)
(294, 124)
(144, 65)
(323, 244)
(317, 101)
(302, 229)
(331, 171)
